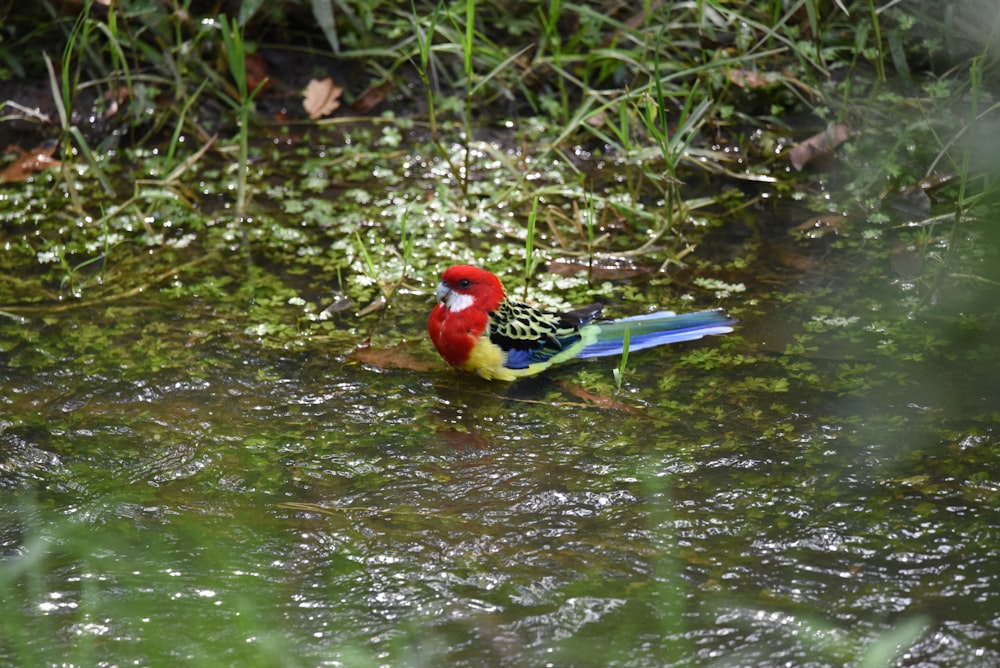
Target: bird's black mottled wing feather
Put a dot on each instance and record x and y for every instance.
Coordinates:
(529, 335)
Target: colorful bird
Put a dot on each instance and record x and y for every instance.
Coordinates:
(476, 328)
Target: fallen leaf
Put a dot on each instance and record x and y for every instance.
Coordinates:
(256, 69)
(716, 41)
(907, 262)
(375, 305)
(28, 162)
(913, 201)
(340, 303)
(601, 269)
(805, 88)
(599, 400)
(820, 226)
(796, 261)
(596, 120)
(747, 78)
(321, 97)
(819, 145)
(371, 97)
(396, 357)
(115, 99)
(934, 181)
(461, 440)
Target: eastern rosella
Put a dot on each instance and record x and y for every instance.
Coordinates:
(476, 328)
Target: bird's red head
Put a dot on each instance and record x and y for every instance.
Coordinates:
(466, 296)
(464, 285)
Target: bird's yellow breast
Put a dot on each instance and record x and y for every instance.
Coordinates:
(490, 361)
(487, 359)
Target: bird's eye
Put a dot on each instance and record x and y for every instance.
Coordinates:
(465, 283)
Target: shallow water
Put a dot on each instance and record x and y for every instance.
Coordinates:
(817, 489)
(256, 506)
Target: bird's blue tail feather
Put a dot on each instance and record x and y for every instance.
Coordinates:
(655, 329)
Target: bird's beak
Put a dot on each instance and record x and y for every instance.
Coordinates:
(442, 292)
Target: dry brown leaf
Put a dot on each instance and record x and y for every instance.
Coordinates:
(819, 145)
(321, 97)
(913, 201)
(747, 78)
(599, 400)
(820, 226)
(793, 259)
(115, 99)
(905, 261)
(933, 181)
(371, 97)
(256, 68)
(596, 120)
(397, 357)
(373, 306)
(28, 162)
(805, 88)
(601, 269)
(461, 440)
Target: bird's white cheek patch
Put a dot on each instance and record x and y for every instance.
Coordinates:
(458, 302)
